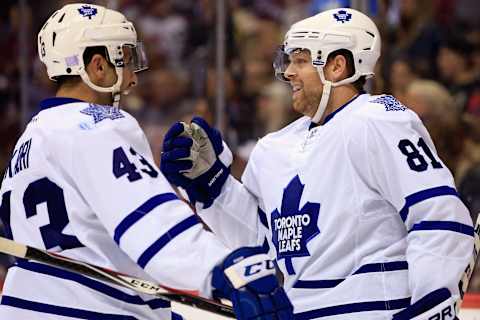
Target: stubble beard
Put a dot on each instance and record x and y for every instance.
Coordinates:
(307, 102)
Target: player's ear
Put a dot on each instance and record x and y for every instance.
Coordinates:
(338, 68)
(96, 68)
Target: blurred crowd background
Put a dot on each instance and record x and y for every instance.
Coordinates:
(430, 61)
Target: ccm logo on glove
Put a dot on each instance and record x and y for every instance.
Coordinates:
(259, 267)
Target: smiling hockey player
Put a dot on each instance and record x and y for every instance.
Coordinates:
(362, 216)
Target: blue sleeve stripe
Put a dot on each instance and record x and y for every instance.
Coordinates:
(353, 308)
(61, 311)
(367, 268)
(420, 196)
(426, 303)
(263, 217)
(382, 267)
(140, 212)
(317, 284)
(90, 283)
(444, 225)
(166, 238)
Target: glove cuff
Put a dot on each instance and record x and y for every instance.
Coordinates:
(207, 187)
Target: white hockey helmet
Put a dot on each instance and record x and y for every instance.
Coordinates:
(326, 32)
(70, 30)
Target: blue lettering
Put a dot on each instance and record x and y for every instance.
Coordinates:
(447, 312)
(22, 160)
(22, 156)
(250, 270)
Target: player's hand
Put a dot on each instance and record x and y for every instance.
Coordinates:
(196, 158)
(247, 278)
(438, 304)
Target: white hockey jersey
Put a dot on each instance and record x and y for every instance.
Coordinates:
(361, 214)
(82, 182)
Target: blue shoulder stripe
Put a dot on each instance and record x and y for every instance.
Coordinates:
(444, 225)
(140, 212)
(61, 311)
(184, 225)
(90, 283)
(353, 308)
(420, 196)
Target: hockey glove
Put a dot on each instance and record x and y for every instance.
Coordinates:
(196, 158)
(247, 278)
(438, 304)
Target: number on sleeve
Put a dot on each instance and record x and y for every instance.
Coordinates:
(416, 161)
(123, 166)
(149, 168)
(435, 163)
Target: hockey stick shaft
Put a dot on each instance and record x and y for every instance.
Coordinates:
(463, 285)
(139, 285)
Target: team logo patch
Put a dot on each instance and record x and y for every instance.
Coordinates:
(390, 103)
(87, 11)
(342, 16)
(100, 113)
(293, 227)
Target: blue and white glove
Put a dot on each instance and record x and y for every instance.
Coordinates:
(195, 158)
(247, 278)
(438, 304)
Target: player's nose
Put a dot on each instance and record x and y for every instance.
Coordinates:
(133, 80)
(289, 72)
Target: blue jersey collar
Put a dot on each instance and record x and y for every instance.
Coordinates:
(331, 115)
(57, 101)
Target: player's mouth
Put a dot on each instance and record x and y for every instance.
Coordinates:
(296, 88)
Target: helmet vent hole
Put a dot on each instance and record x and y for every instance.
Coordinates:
(373, 36)
(54, 36)
(61, 18)
(69, 70)
(360, 60)
(367, 48)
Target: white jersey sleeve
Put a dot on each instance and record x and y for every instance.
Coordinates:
(394, 154)
(237, 216)
(112, 166)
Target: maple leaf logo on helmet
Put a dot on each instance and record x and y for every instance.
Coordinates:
(342, 16)
(87, 11)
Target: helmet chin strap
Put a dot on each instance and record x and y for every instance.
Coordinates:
(327, 88)
(114, 90)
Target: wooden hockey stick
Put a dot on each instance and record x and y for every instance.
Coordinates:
(184, 297)
(463, 284)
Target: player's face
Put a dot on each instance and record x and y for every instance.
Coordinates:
(129, 78)
(305, 81)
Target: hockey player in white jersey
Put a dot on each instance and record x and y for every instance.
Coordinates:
(362, 216)
(82, 182)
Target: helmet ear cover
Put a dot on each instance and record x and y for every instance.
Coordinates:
(87, 58)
